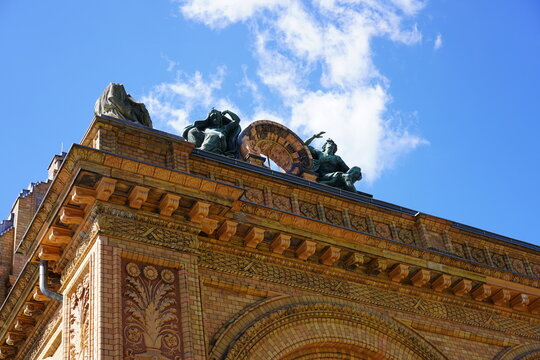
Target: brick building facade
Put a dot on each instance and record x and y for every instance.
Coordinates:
(162, 251)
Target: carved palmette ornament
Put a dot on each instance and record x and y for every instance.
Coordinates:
(79, 321)
(150, 302)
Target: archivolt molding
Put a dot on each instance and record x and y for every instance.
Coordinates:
(282, 326)
(520, 352)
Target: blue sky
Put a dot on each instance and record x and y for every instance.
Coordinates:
(437, 101)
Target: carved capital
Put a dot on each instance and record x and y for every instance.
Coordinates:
(82, 196)
(441, 283)
(280, 244)
(421, 278)
(330, 255)
(306, 249)
(501, 297)
(462, 287)
(377, 266)
(199, 211)
(520, 302)
(137, 196)
(105, 188)
(168, 204)
(49, 253)
(254, 237)
(58, 236)
(227, 230)
(399, 272)
(69, 215)
(353, 261)
(482, 292)
(208, 225)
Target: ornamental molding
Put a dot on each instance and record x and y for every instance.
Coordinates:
(278, 143)
(127, 225)
(112, 221)
(436, 306)
(59, 188)
(287, 313)
(79, 320)
(17, 295)
(298, 222)
(520, 352)
(51, 320)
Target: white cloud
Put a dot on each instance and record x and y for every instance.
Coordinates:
(219, 13)
(438, 42)
(317, 58)
(409, 7)
(171, 64)
(172, 104)
(354, 120)
(266, 114)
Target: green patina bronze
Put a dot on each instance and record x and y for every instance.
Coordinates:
(116, 102)
(330, 168)
(217, 133)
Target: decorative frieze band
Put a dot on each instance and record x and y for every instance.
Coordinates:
(368, 294)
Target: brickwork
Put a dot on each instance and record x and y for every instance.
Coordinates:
(6, 261)
(463, 348)
(24, 210)
(220, 306)
(162, 253)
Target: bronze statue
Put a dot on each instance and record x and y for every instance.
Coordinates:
(217, 133)
(330, 168)
(116, 102)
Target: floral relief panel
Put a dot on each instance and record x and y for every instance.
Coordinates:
(359, 223)
(406, 236)
(254, 195)
(150, 305)
(79, 321)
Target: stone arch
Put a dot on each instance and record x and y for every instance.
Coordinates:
(520, 352)
(277, 142)
(287, 328)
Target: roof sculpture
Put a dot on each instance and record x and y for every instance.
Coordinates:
(116, 102)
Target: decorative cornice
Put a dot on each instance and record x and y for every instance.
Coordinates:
(297, 222)
(17, 296)
(50, 321)
(335, 284)
(58, 189)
